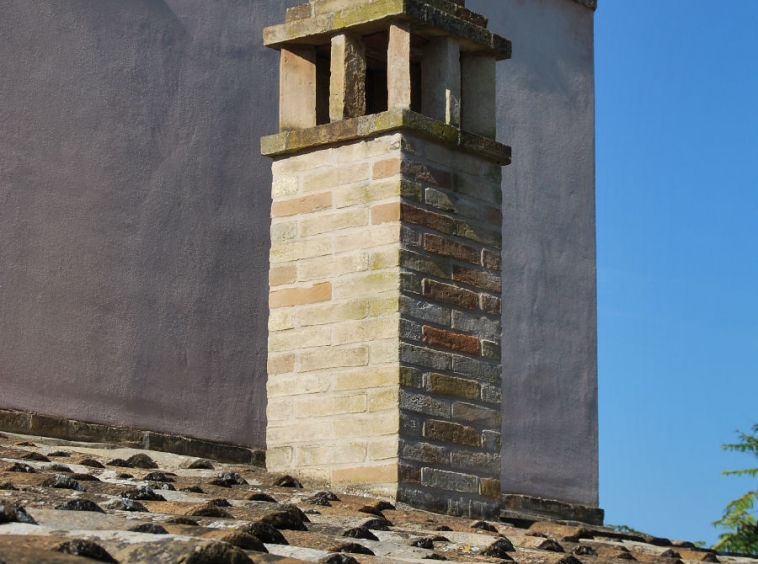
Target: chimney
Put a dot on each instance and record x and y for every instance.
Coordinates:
(384, 370)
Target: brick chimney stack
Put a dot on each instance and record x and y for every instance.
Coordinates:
(385, 301)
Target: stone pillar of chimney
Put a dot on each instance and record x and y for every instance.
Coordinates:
(384, 370)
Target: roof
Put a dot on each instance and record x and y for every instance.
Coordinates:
(185, 509)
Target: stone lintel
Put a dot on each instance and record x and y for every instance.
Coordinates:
(26, 423)
(291, 142)
(427, 17)
(524, 508)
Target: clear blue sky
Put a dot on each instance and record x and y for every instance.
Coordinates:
(677, 209)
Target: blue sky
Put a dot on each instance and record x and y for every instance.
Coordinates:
(677, 209)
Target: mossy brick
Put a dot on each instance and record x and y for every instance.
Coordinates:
(424, 264)
(449, 294)
(483, 235)
(382, 400)
(365, 330)
(449, 481)
(450, 340)
(446, 247)
(426, 174)
(366, 284)
(411, 190)
(362, 193)
(317, 224)
(369, 238)
(480, 279)
(491, 350)
(447, 432)
(381, 305)
(461, 206)
(453, 386)
(410, 282)
(386, 257)
(492, 394)
(411, 378)
(477, 415)
(490, 487)
(300, 12)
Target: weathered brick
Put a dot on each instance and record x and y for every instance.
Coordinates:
(332, 312)
(424, 264)
(279, 409)
(423, 356)
(302, 205)
(299, 250)
(370, 238)
(386, 168)
(280, 275)
(409, 474)
(293, 339)
(280, 386)
(452, 386)
(424, 452)
(384, 213)
(281, 319)
(386, 473)
(490, 304)
(492, 394)
(345, 452)
(479, 325)
(365, 378)
(382, 305)
(450, 340)
(424, 311)
(479, 462)
(382, 449)
(490, 488)
(493, 216)
(447, 432)
(447, 248)
(302, 162)
(384, 351)
(336, 175)
(362, 193)
(298, 296)
(333, 357)
(410, 330)
(320, 269)
(476, 187)
(324, 405)
(411, 190)
(411, 237)
(450, 294)
(380, 400)
(283, 232)
(491, 260)
(461, 206)
(410, 425)
(365, 330)
(280, 457)
(491, 441)
(426, 218)
(284, 186)
(336, 221)
(387, 257)
(411, 378)
(450, 481)
(366, 149)
(483, 371)
(477, 415)
(422, 403)
(280, 364)
(477, 278)
(367, 284)
(491, 350)
(411, 282)
(426, 174)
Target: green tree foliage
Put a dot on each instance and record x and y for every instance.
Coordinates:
(740, 515)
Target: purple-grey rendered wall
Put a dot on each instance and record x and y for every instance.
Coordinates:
(134, 210)
(546, 112)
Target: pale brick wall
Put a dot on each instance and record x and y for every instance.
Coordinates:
(335, 277)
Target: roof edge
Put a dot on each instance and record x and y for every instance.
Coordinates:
(591, 4)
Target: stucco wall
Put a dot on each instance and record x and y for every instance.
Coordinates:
(546, 112)
(134, 212)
